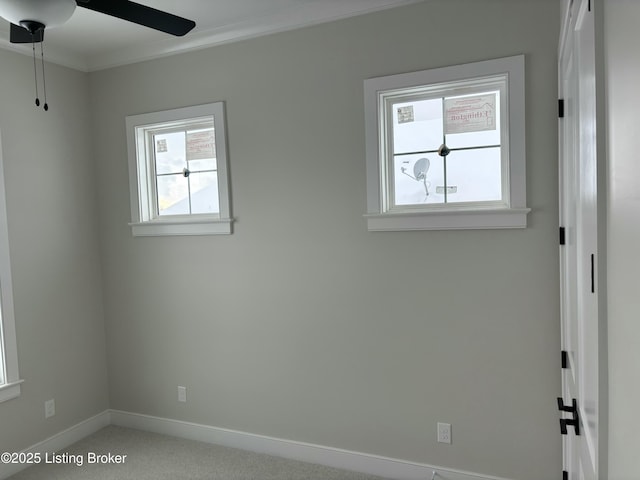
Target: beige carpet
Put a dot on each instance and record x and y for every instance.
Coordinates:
(150, 456)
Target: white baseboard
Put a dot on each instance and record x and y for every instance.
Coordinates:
(332, 457)
(306, 452)
(60, 440)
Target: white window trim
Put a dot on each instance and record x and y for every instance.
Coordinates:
(142, 223)
(512, 215)
(11, 386)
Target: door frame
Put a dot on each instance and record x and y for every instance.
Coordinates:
(573, 12)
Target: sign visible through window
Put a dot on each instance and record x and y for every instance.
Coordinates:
(476, 113)
(179, 161)
(467, 127)
(445, 147)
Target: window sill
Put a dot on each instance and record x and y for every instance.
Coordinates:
(10, 391)
(449, 220)
(163, 227)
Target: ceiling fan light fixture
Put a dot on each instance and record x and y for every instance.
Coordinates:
(47, 12)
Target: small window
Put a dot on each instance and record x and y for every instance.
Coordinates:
(178, 167)
(9, 377)
(445, 148)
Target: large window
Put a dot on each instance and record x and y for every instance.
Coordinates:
(445, 148)
(9, 377)
(178, 167)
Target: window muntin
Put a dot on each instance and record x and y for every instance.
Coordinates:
(417, 125)
(178, 165)
(185, 170)
(485, 184)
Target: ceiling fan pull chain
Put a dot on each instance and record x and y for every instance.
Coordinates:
(35, 71)
(44, 80)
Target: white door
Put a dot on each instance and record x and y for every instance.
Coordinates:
(579, 254)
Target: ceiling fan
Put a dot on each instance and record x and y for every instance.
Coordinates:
(29, 18)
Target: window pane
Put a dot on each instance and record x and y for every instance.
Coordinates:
(203, 165)
(173, 195)
(204, 192)
(415, 178)
(475, 137)
(475, 175)
(201, 150)
(170, 152)
(417, 126)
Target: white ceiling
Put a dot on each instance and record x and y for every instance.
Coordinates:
(91, 41)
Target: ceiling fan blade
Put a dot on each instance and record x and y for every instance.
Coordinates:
(19, 34)
(141, 14)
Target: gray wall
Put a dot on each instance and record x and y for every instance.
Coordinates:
(303, 325)
(623, 78)
(53, 236)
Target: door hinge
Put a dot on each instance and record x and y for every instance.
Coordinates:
(565, 359)
(566, 422)
(561, 108)
(593, 273)
(589, 6)
(563, 236)
(565, 475)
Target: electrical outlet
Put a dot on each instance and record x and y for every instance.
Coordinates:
(182, 394)
(444, 432)
(49, 408)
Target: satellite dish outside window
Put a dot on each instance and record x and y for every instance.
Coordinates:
(420, 169)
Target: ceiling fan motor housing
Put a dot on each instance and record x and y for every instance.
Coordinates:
(47, 12)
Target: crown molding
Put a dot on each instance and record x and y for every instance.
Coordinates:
(305, 15)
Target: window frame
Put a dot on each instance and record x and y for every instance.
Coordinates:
(145, 221)
(510, 213)
(9, 375)
(433, 92)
